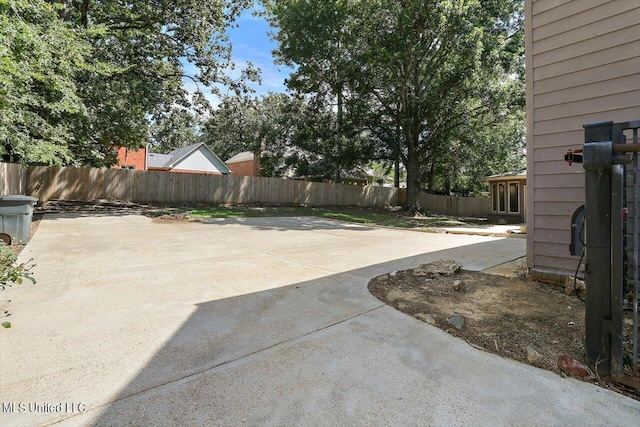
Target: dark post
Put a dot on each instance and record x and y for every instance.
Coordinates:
(597, 162)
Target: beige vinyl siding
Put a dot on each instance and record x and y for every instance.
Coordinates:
(619, 68)
(583, 66)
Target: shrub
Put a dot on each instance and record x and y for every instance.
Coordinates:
(11, 272)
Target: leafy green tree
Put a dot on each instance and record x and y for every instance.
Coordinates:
(101, 72)
(233, 127)
(427, 77)
(40, 59)
(260, 125)
(439, 69)
(316, 39)
(151, 40)
(178, 128)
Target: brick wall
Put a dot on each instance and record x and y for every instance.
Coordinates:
(246, 168)
(129, 158)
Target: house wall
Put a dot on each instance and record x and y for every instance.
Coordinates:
(201, 160)
(583, 66)
(246, 168)
(129, 157)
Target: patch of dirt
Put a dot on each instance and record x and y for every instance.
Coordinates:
(525, 320)
(171, 217)
(113, 207)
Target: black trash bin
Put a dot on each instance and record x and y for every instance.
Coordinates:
(16, 212)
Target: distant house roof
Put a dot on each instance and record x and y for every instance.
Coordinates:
(245, 156)
(159, 161)
(517, 174)
(179, 156)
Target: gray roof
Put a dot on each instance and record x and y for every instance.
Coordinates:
(157, 160)
(520, 173)
(242, 157)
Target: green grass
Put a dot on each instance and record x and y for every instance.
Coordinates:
(368, 216)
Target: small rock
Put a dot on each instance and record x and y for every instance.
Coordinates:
(427, 318)
(571, 366)
(458, 285)
(440, 267)
(572, 323)
(393, 273)
(457, 321)
(532, 355)
(570, 288)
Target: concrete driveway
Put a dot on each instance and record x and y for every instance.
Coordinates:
(257, 322)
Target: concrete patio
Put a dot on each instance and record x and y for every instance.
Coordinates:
(263, 321)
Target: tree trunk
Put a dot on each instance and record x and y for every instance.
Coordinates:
(84, 14)
(431, 178)
(412, 205)
(340, 130)
(396, 174)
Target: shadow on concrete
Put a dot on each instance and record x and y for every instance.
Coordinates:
(223, 332)
(299, 223)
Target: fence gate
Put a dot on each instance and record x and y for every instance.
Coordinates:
(612, 267)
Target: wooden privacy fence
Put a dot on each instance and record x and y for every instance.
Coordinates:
(66, 183)
(85, 184)
(457, 206)
(12, 179)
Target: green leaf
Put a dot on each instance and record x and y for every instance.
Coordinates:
(6, 325)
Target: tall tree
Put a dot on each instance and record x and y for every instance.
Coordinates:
(421, 71)
(437, 67)
(139, 54)
(260, 125)
(40, 58)
(177, 128)
(151, 41)
(316, 39)
(233, 127)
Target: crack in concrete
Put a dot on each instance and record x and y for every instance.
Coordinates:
(203, 371)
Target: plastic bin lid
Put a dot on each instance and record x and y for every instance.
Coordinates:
(19, 198)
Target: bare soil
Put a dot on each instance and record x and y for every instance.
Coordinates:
(514, 317)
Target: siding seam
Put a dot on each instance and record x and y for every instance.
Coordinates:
(612, 29)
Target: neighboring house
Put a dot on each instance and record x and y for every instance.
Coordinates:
(129, 158)
(244, 164)
(196, 158)
(583, 66)
(508, 197)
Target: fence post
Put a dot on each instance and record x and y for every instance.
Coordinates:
(598, 209)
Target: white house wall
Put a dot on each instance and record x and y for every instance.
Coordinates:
(201, 160)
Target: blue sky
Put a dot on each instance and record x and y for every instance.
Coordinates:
(251, 43)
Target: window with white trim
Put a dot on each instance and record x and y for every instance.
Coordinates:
(505, 197)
